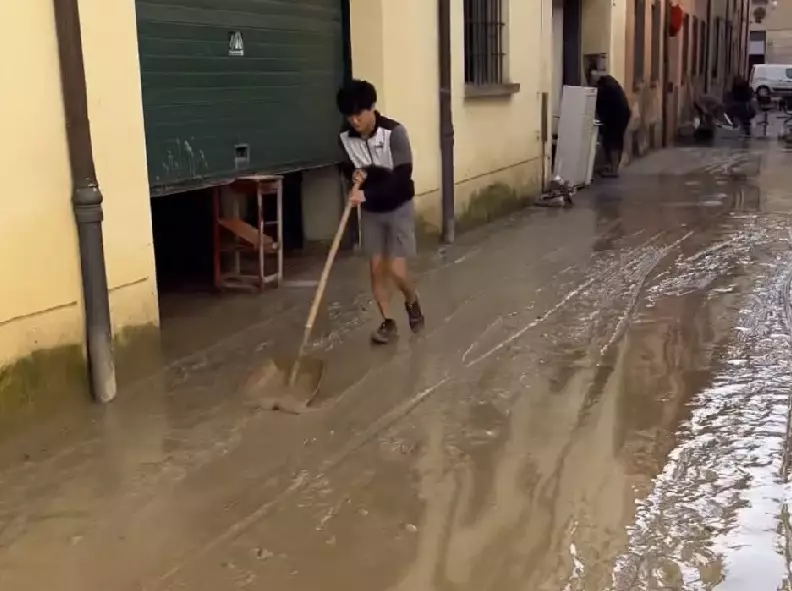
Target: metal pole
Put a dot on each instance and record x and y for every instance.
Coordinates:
(545, 133)
(86, 202)
(446, 120)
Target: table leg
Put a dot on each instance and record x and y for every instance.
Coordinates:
(260, 217)
(280, 232)
(216, 238)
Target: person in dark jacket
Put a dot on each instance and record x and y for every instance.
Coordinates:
(741, 103)
(613, 113)
(379, 163)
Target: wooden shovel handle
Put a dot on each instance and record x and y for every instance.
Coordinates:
(320, 289)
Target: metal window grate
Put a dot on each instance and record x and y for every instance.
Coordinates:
(484, 42)
(703, 48)
(656, 35)
(639, 43)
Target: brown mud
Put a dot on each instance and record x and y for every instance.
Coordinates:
(600, 402)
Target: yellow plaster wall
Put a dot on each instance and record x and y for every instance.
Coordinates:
(40, 295)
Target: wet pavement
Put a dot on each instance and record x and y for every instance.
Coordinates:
(600, 402)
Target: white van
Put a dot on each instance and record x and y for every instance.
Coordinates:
(772, 80)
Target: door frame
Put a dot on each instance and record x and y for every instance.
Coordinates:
(668, 86)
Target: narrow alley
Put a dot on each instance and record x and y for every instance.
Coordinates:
(600, 401)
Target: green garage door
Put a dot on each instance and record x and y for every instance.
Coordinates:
(234, 86)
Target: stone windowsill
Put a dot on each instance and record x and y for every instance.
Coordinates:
(505, 90)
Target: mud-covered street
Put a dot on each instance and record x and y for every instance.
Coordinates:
(600, 402)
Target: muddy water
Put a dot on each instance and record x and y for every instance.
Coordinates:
(600, 402)
(716, 516)
(621, 426)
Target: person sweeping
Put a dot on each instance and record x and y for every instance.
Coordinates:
(379, 163)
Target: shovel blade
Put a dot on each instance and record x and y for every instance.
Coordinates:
(274, 388)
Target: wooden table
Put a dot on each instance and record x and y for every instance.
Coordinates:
(234, 238)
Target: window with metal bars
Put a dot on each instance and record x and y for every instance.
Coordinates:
(485, 53)
(703, 38)
(656, 35)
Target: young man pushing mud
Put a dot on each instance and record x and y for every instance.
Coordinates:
(379, 164)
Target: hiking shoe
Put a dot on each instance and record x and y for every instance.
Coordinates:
(415, 315)
(386, 333)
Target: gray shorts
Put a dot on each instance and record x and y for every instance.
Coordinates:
(390, 234)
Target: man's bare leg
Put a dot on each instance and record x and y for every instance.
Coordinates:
(380, 284)
(380, 287)
(398, 272)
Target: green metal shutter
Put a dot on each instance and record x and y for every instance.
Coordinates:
(214, 109)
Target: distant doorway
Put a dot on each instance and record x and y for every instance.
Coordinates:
(567, 53)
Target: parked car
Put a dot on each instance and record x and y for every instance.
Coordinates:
(771, 81)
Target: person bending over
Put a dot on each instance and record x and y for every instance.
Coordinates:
(613, 112)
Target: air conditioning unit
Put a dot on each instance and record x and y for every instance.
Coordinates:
(577, 135)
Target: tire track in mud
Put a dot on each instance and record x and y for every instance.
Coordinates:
(629, 284)
(723, 162)
(717, 510)
(634, 269)
(604, 276)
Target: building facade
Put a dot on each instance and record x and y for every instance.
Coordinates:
(770, 32)
(676, 52)
(41, 303)
(497, 93)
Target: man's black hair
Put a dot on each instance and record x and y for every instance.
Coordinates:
(356, 96)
